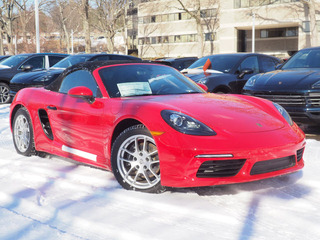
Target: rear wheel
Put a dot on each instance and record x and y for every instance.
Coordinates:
(4, 93)
(23, 133)
(135, 161)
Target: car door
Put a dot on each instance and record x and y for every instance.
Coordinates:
(77, 123)
(250, 62)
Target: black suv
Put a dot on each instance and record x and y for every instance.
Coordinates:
(45, 77)
(24, 63)
(295, 86)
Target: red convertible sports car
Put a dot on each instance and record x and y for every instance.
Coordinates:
(153, 127)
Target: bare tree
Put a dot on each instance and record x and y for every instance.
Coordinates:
(65, 14)
(86, 25)
(25, 14)
(7, 18)
(110, 19)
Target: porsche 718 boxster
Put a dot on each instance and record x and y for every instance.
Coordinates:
(153, 127)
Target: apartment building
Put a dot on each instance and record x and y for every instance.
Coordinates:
(168, 29)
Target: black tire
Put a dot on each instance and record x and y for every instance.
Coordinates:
(135, 162)
(22, 133)
(4, 93)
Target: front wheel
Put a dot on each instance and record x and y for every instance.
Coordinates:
(4, 93)
(135, 161)
(23, 133)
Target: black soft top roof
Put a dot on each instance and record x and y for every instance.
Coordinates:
(89, 66)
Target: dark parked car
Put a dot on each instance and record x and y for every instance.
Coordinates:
(43, 78)
(227, 73)
(177, 63)
(24, 63)
(295, 86)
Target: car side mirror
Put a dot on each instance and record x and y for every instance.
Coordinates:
(82, 92)
(244, 72)
(204, 87)
(26, 68)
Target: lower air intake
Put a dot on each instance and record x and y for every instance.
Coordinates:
(220, 168)
(273, 165)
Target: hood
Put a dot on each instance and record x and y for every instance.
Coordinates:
(301, 79)
(227, 113)
(39, 76)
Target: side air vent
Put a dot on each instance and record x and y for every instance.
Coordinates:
(299, 154)
(45, 123)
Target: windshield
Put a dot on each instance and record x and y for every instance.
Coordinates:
(137, 80)
(71, 60)
(304, 59)
(222, 63)
(13, 60)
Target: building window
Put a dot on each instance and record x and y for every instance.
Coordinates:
(291, 32)
(164, 18)
(279, 32)
(209, 36)
(146, 19)
(177, 38)
(258, 3)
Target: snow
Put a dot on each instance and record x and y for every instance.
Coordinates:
(54, 198)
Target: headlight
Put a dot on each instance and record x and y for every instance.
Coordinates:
(186, 124)
(284, 113)
(316, 85)
(251, 81)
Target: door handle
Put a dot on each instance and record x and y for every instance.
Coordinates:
(51, 107)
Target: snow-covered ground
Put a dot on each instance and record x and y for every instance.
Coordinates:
(52, 198)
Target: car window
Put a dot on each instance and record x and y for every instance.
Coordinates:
(187, 63)
(222, 63)
(54, 59)
(267, 64)
(79, 78)
(13, 60)
(135, 80)
(101, 58)
(304, 59)
(71, 60)
(35, 62)
(250, 63)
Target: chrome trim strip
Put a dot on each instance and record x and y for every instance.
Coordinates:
(80, 153)
(214, 156)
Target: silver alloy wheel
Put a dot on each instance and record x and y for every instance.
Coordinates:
(138, 162)
(22, 133)
(4, 94)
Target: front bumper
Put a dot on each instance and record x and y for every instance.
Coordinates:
(181, 156)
